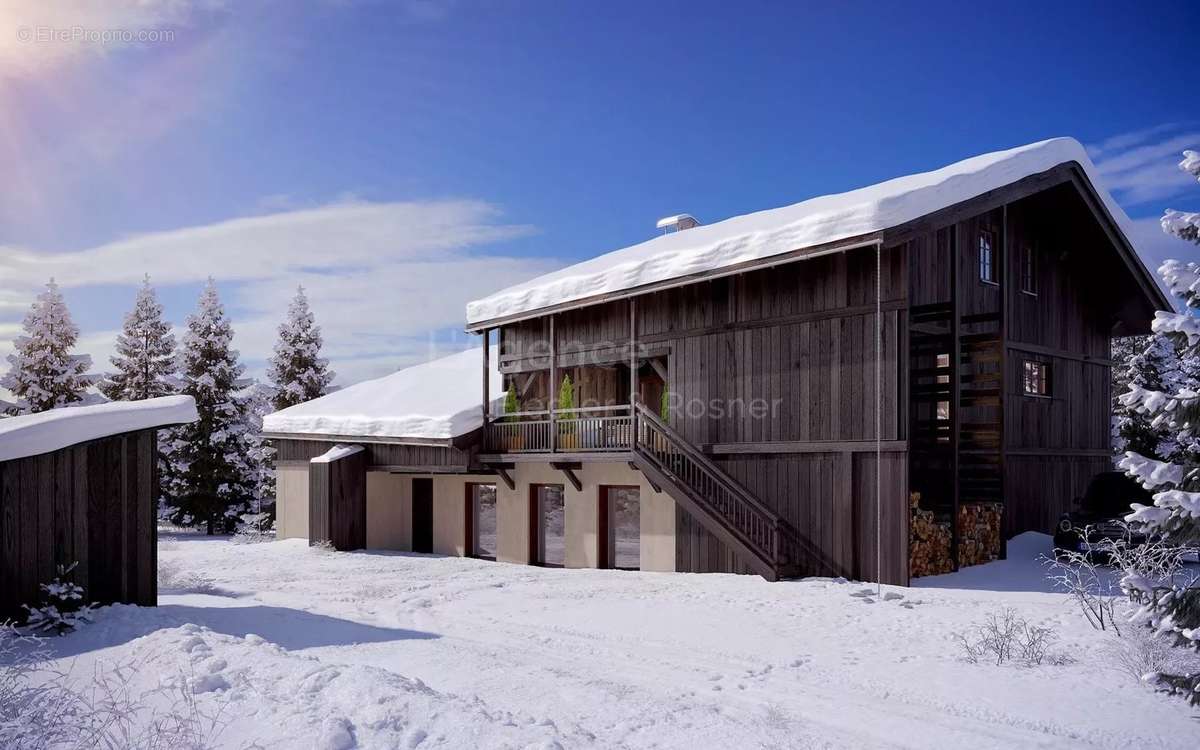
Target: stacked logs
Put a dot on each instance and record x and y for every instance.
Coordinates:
(978, 533)
(928, 541)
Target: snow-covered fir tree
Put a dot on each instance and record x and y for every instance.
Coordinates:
(297, 370)
(45, 374)
(1173, 606)
(259, 398)
(1149, 362)
(145, 359)
(210, 473)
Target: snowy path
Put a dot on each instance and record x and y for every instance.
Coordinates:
(386, 650)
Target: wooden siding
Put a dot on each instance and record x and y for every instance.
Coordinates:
(93, 503)
(830, 498)
(337, 502)
(419, 458)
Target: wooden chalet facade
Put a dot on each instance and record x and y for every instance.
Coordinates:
(986, 325)
(777, 404)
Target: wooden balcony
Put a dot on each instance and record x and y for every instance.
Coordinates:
(598, 429)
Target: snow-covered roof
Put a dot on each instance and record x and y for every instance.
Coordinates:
(436, 400)
(761, 235)
(34, 434)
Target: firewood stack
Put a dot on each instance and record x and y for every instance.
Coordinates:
(978, 533)
(928, 541)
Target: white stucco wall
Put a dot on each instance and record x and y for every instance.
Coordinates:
(291, 501)
(389, 511)
(582, 523)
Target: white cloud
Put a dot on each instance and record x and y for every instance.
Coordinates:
(380, 276)
(1143, 166)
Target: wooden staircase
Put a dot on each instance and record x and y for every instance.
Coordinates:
(768, 544)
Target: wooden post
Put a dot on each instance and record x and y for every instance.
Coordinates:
(956, 387)
(552, 395)
(1005, 274)
(633, 436)
(487, 396)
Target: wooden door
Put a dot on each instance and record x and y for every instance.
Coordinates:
(422, 515)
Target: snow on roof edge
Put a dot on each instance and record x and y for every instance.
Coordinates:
(47, 431)
(816, 221)
(436, 400)
(336, 453)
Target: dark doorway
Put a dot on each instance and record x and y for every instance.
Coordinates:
(422, 515)
(619, 527)
(547, 525)
(481, 520)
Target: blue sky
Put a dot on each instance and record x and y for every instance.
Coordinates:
(401, 158)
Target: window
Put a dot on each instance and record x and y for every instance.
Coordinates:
(1028, 270)
(481, 520)
(943, 407)
(620, 528)
(987, 256)
(547, 525)
(1036, 379)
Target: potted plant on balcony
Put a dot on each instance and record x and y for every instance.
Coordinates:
(567, 439)
(514, 441)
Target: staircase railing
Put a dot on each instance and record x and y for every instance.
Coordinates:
(743, 516)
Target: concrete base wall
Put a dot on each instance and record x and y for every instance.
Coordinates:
(291, 502)
(389, 512)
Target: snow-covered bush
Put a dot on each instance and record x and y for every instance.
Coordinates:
(1094, 588)
(254, 528)
(1137, 652)
(1005, 637)
(63, 609)
(172, 577)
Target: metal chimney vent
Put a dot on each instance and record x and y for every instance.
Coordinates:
(677, 223)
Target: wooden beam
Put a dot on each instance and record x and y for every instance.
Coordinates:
(659, 368)
(653, 485)
(568, 471)
(523, 390)
(491, 459)
(506, 477)
(801, 446)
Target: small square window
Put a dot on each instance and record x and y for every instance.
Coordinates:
(987, 256)
(1028, 270)
(1036, 378)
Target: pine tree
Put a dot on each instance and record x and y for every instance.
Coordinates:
(1149, 362)
(566, 399)
(45, 374)
(297, 370)
(1173, 606)
(211, 475)
(145, 357)
(510, 400)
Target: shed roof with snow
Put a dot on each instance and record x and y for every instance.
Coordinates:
(728, 246)
(44, 432)
(435, 401)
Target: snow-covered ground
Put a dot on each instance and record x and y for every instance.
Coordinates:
(299, 647)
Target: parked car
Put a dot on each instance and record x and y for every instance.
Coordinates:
(1101, 511)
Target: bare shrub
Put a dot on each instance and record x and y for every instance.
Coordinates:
(323, 547)
(1094, 589)
(172, 577)
(1005, 637)
(254, 528)
(1141, 651)
(43, 708)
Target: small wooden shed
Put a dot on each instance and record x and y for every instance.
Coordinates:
(80, 484)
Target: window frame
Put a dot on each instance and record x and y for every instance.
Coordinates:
(1043, 378)
(989, 235)
(1029, 269)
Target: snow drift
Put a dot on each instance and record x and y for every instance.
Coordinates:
(764, 234)
(33, 434)
(435, 400)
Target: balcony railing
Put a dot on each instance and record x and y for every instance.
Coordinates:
(581, 430)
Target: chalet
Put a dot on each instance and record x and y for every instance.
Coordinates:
(783, 393)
